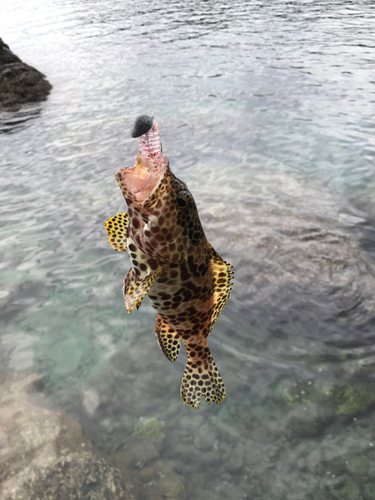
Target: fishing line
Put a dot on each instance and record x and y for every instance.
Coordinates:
(143, 44)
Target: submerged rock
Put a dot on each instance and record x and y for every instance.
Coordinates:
(205, 437)
(161, 481)
(136, 453)
(308, 420)
(45, 456)
(235, 462)
(150, 429)
(300, 271)
(353, 399)
(19, 83)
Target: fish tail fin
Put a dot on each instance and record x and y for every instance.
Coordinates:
(202, 378)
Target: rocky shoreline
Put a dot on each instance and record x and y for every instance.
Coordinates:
(20, 83)
(44, 454)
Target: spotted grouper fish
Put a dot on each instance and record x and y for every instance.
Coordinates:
(186, 280)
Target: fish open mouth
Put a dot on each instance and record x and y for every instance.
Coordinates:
(141, 180)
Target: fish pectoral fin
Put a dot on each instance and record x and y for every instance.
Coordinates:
(116, 228)
(222, 276)
(138, 290)
(168, 339)
(202, 378)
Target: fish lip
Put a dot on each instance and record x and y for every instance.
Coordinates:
(140, 181)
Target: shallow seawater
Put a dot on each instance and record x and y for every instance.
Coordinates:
(266, 111)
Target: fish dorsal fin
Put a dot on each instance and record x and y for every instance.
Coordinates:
(168, 339)
(222, 281)
(130, 279)
(138, 290)
(116, 228)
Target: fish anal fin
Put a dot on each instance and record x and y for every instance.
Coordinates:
(222, 276)
(168, 339)
(139, 289)
(116, 228)
(202, 378)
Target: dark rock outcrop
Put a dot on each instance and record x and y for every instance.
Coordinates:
(19, 83)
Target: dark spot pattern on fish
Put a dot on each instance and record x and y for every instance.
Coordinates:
(187, 282)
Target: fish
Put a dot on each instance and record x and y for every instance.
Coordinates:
(172, 262)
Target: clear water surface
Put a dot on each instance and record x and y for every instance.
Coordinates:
(266, 110)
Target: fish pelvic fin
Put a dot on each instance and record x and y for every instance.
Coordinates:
(222, 276)
(130, 279)
(116, 228)
(138, 290)
(168, 339)
(202, 378)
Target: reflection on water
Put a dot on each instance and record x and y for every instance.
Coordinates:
(13, 121)
(267, 112)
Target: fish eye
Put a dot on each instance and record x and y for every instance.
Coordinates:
(181, 202)
(182, 199)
